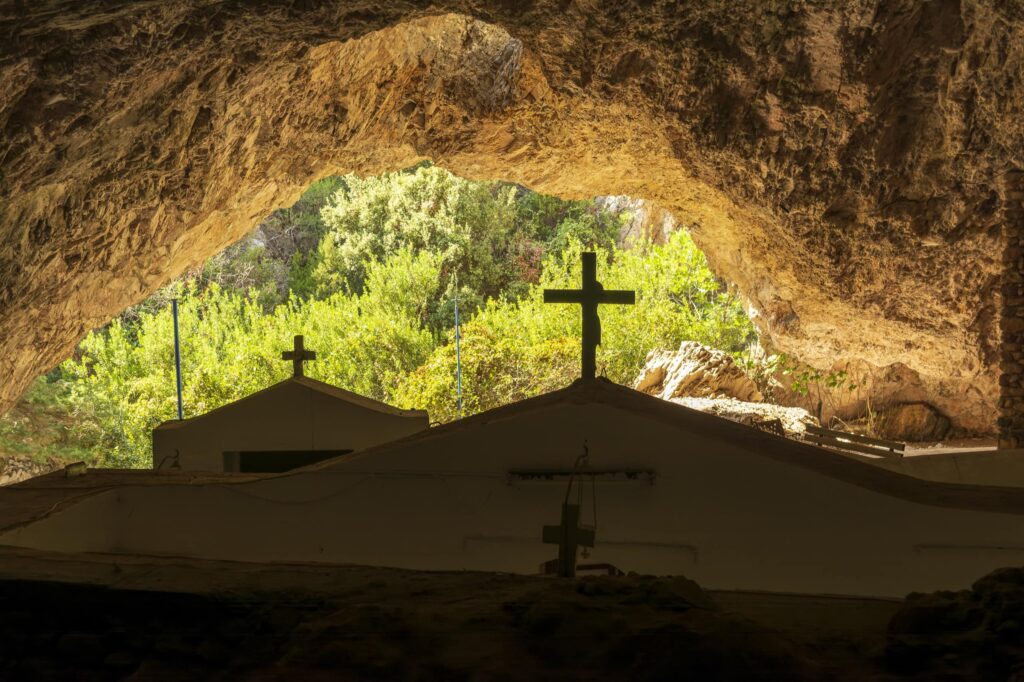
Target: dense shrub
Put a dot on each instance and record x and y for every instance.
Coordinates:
(124, 384)
(513, 349)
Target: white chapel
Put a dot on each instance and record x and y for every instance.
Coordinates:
(291, 424)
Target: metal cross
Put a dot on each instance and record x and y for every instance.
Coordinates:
(298, 355)
(569, 536)
(589, 296)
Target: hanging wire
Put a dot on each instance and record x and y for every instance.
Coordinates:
(458, 349)
(576, 465)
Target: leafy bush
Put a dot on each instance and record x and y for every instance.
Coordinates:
(514, 349)
(490, 237)
(124, 383)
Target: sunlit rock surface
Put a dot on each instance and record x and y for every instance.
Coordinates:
(644, 222)
(695, 371)
(839, 162)
(709, 380)
(795, 420)
(911, 422)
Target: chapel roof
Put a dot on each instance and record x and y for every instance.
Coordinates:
(848, 468)
(36, 498)
(314, 385)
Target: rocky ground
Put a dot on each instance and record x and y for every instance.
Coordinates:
(39, 435)
(711, 381)
(17, 469)
(794, 419)
(147, 618)
(970, 634)
(397, 625)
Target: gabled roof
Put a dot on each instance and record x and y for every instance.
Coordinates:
(755, 441)
(312, 384)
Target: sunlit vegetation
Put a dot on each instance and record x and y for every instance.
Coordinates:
(369, 270)
(516, 348)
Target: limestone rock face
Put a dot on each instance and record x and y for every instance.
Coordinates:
(794, 419)
(695, 371)
(645, 223)
(840, 162)
(913, 422)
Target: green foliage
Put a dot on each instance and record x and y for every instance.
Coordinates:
(465, 223)
(771, 372)
(490, 237)
(804, 379)
(496, 370)
(558, 223)
(513, 349)
(762, 368)
(124, 383)
(42, 427)
(368, 269)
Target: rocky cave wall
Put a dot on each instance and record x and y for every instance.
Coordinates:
(839, 162)
(1011, 381)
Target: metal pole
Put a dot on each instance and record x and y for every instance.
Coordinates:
(177, 354)
(458, 357)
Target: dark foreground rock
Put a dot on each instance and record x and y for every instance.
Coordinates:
(975, 634)
(402, 626)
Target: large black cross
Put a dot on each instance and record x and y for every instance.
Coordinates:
(589, 297)
(298, 356)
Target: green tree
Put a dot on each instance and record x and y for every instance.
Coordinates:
(465, 223)
(123, 382)
(490, 236)
(514, 349)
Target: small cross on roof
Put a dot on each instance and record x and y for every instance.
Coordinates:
(298, 355)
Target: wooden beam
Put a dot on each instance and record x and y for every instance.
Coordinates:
(854, 447)
(857, 438)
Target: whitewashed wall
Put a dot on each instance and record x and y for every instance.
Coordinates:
(726, 517)
(288, 416)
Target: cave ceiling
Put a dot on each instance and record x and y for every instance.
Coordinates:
(839, 162)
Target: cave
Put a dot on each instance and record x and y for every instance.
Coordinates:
(846, 169)
(853, 169)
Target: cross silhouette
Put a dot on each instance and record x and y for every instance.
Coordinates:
(569, 536)
(298, 355)
(589, 296)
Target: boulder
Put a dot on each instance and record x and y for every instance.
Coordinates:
(695, 371)
(709, 380)
(911, 422)
(974, 634)
(794, 419)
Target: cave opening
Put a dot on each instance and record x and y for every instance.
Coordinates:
(192, 155)
(371, 270)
